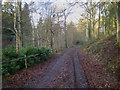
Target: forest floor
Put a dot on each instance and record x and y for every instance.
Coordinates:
(74, 68)
(103, 66)
(95, 66)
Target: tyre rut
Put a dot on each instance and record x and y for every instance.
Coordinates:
(80, 79)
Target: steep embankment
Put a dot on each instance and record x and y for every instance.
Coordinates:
(102, 68)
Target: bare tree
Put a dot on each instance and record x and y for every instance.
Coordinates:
(117, 8)
(17, 14)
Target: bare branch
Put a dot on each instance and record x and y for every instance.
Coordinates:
(9, 29)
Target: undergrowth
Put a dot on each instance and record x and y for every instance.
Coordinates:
(9, 54)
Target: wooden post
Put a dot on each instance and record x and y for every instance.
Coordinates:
(25, 62)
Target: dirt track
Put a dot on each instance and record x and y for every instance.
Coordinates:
(64, 72)
(72, 69)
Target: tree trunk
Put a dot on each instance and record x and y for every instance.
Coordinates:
(19, 24)
(33, 34)
(51, 41)
(51, 33)
(117, 12)
(87, 27)
(38, 38)
(118, 22)
(66, 45)
(90, 25)
(104, 20)
(16, 31)
(99, 21)
(17, 42)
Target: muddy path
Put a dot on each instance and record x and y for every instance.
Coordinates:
(65, 71)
